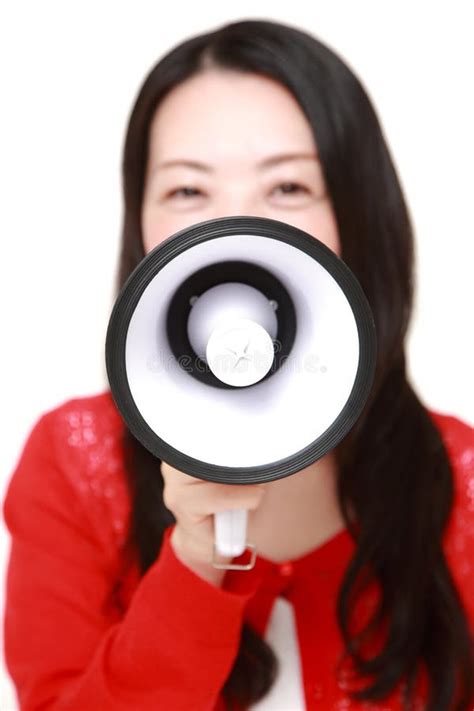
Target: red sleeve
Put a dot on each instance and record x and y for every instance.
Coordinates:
(458, 437)
(172, 649)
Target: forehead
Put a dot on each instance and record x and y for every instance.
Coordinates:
(228, 113)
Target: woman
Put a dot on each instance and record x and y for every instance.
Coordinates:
(112, 602)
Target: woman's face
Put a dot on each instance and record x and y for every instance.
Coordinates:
(227, 143)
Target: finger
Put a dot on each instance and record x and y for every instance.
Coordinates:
(210, 497)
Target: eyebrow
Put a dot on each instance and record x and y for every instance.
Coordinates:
(266, 163)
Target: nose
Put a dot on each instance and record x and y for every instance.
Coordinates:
(234, 206)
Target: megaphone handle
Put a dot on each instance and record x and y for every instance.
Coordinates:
(230, 531)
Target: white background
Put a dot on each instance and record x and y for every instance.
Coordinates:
(70, 73)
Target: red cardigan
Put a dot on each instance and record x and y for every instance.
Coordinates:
(84, 632)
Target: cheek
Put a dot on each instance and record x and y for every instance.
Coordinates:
(320, 223)
(329, 233)
(156, 228)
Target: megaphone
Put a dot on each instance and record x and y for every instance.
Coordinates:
(240, 351)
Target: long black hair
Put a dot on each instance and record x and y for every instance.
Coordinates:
(394, 451)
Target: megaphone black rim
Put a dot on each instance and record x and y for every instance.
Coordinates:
(130, 295)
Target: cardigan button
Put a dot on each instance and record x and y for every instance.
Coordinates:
(318, 691)
(286, 569)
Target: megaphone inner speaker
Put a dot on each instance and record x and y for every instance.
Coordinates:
(200, 282)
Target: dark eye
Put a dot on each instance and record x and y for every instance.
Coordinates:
(184, 190)
(289, 188)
